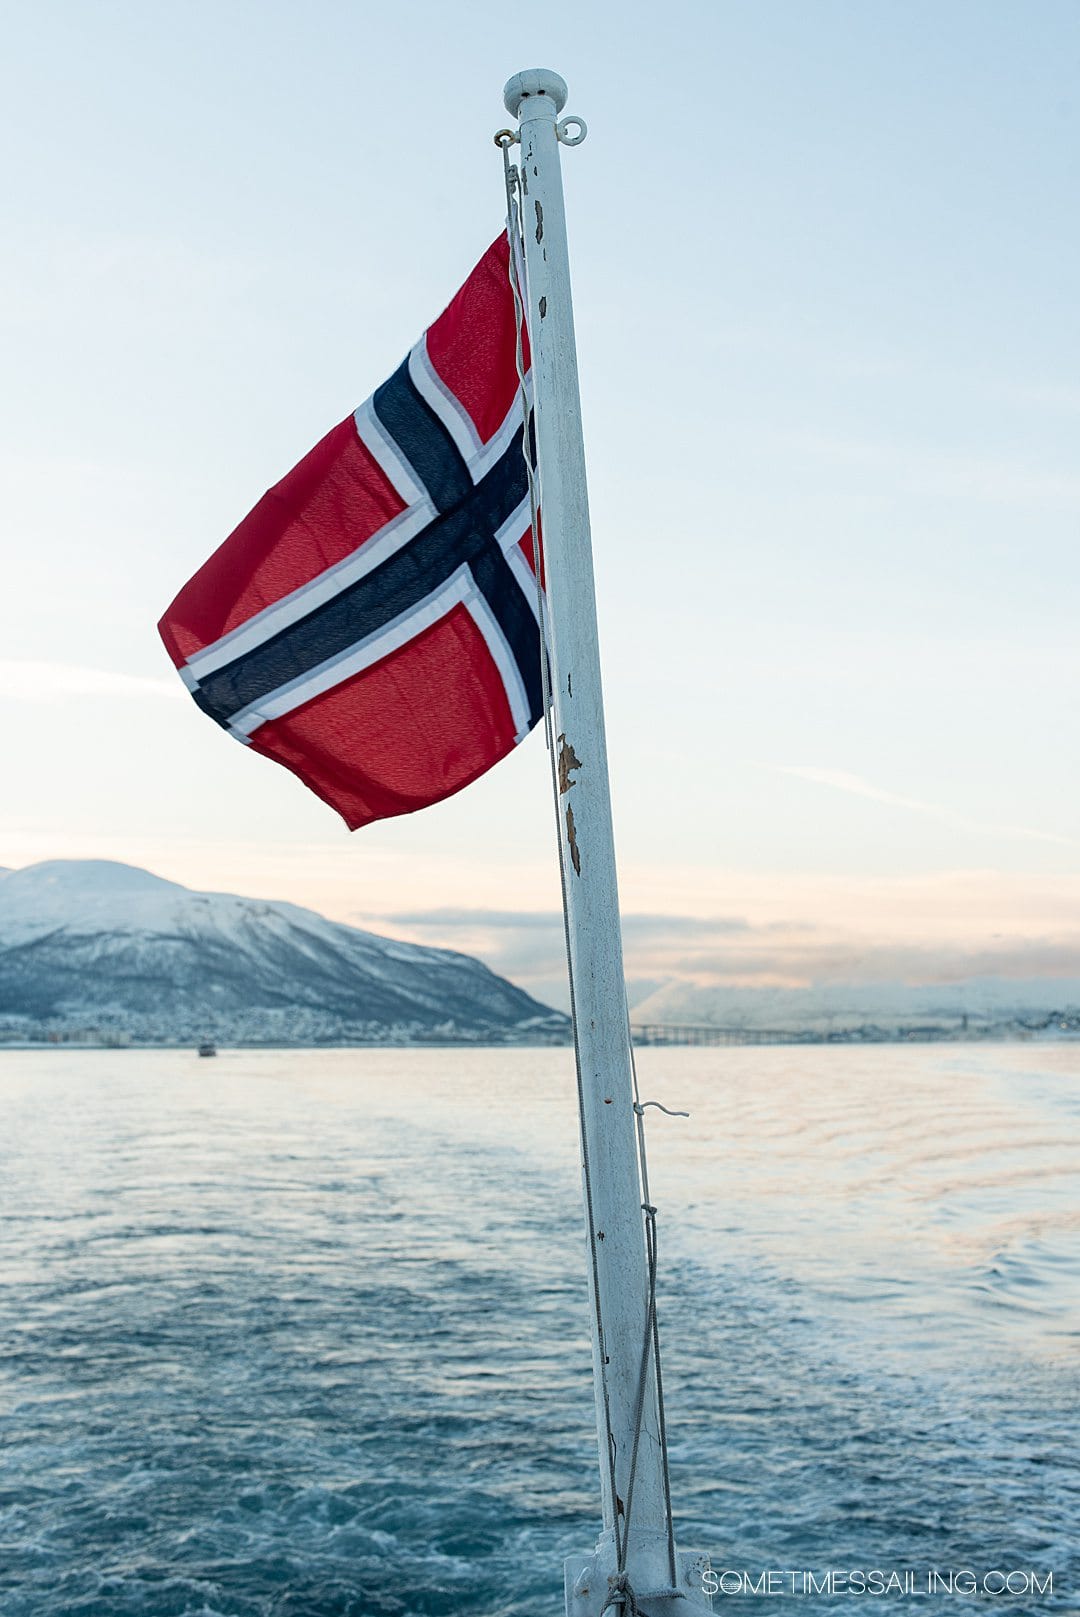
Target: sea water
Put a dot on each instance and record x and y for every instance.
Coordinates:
(305, 1334)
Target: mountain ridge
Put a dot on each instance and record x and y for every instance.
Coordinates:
(94, 945)
(977, 1003)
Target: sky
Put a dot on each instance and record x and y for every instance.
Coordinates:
(825, 265)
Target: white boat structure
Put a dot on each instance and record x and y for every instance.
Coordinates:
(636, 1566)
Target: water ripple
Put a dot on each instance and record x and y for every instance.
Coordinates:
(299, 1334)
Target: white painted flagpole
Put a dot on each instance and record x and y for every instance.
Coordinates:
(614, 1223)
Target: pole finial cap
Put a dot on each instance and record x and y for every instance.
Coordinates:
(534, 81)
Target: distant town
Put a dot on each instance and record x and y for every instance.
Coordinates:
(14, 1033)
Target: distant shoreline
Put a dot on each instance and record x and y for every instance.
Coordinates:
(724, 1038)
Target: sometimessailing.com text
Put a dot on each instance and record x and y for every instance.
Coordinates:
(732, 1582)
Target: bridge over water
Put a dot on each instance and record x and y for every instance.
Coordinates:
(706, 1033)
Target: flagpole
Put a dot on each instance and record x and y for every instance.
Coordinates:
(615, 1231)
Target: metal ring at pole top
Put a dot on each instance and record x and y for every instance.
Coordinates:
(506, 137)
(565, 125)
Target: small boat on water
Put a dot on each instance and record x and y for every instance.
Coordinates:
(207, 1048)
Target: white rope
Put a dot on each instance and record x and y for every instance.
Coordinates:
(504, 140)
(620, 1590)
(621, 1593)
(653, 1327)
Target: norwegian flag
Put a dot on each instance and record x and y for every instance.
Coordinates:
(373, 623)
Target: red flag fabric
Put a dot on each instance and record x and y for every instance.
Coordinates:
(373, 623)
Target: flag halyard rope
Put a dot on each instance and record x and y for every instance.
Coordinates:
(620, 1590)
(653, 1326)
(504, 140)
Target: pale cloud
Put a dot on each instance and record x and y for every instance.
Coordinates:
(842, 781)
(793, 962)
(27, 680)
(798, 953)
(371, 881)
(529, 920)
(529, 946)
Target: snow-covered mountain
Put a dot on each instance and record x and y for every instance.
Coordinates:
(92, 946)
(979, 1003)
